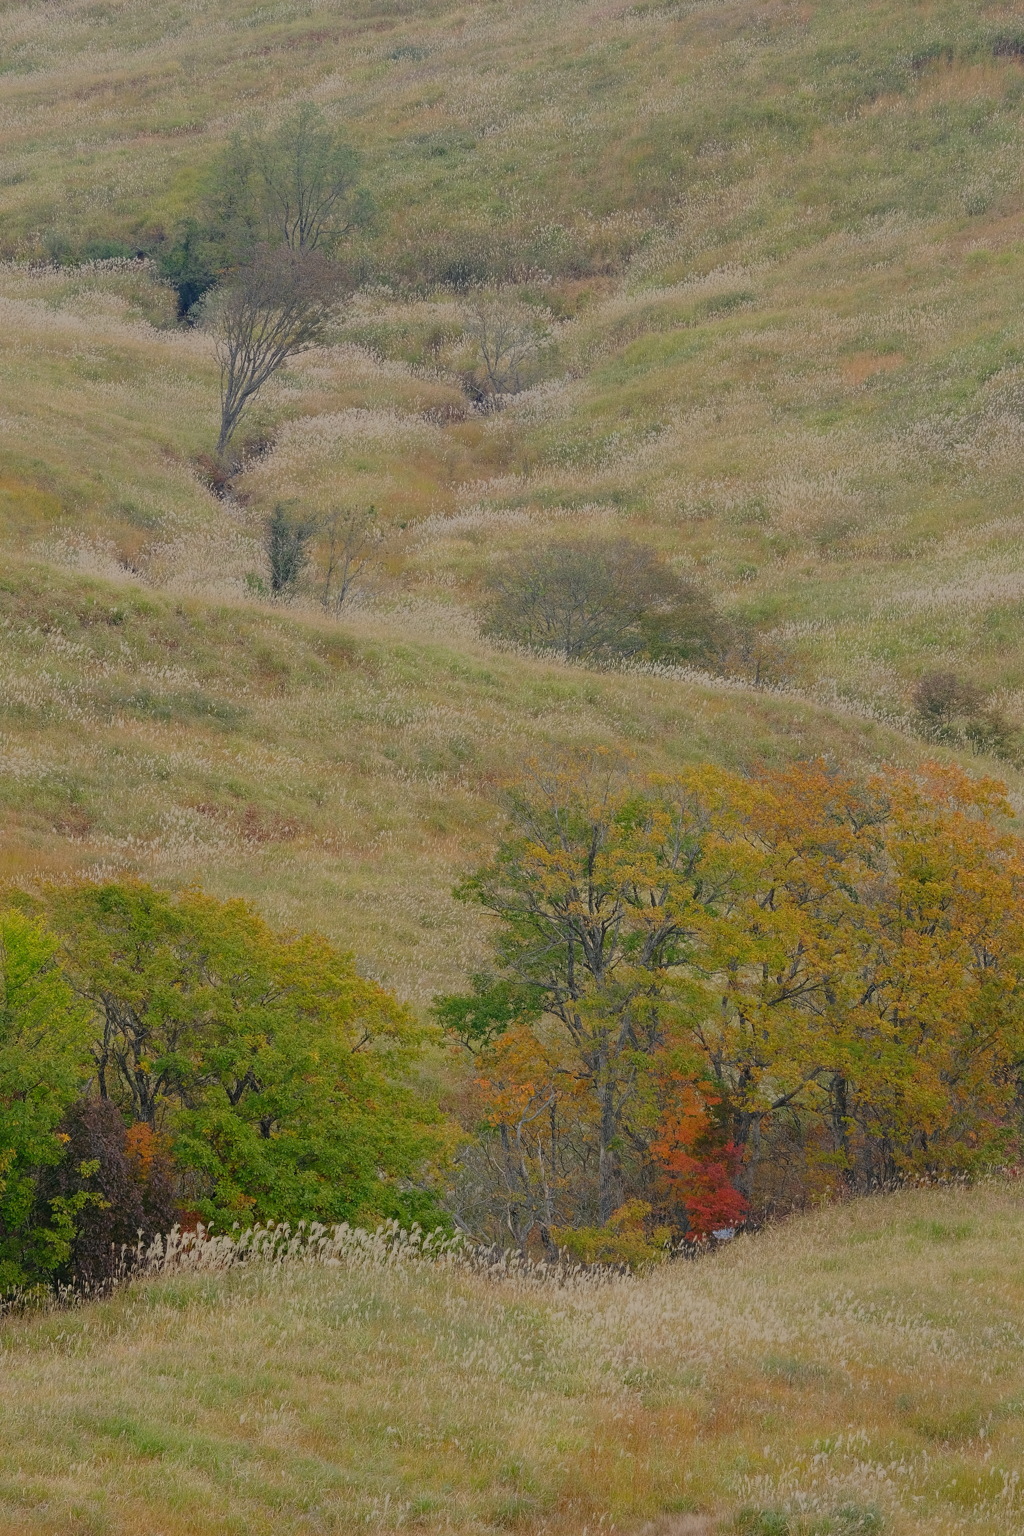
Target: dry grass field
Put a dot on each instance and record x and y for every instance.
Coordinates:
(854, 1373)
(775, 254)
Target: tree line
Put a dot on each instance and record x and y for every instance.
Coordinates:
(714, 997)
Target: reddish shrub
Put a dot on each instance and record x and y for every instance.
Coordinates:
(698, 1165)
(132, 1174)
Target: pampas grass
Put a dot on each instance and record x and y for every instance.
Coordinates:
(856, 1370)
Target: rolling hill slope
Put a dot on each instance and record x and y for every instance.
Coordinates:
(776, 250)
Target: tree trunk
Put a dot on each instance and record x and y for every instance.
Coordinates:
(608, 1165)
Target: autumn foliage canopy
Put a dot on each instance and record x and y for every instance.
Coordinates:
(711, 998)
(722, 995)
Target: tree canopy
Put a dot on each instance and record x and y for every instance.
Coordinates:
(273, 1065)
(166, 1056)
(725, 984)
(294, 186)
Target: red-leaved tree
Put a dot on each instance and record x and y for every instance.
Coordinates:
(697, 1163)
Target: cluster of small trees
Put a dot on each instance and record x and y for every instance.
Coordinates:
(258, 264)
(165, 1059)
(714, 996)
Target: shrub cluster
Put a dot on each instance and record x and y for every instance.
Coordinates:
(165, 1059)
(594, 599)
(953, 709)
(607, 600)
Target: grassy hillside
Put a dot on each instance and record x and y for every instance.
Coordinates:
(776, 252)
(341, 775)
(343, 778)
(859, 1371)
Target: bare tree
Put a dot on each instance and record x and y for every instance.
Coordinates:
(351, 536)
(278, 305)
(507, 337)
(599, 599)
(939, 697)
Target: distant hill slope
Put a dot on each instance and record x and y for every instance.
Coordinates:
(777, 252)
(859, 1370)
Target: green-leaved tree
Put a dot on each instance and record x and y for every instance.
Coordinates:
(44, 1065)
(273, 1066)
